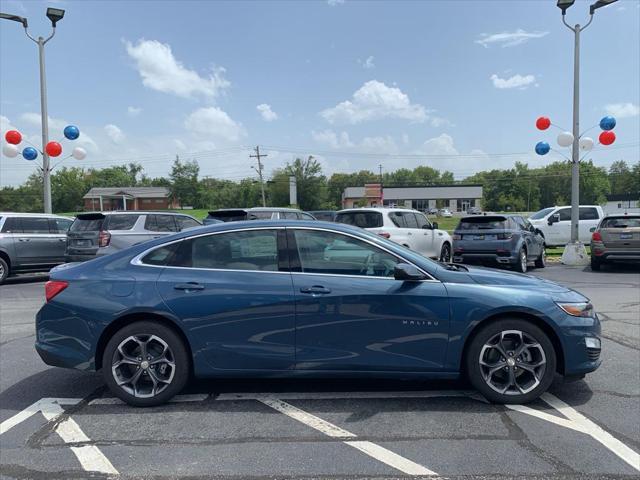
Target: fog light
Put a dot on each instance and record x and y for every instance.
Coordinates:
(592, 342)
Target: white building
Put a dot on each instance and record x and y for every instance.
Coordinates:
(457, 198)
(628, 202)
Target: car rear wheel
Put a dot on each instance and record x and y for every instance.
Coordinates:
(595, 264)
(145, 364)
(4, 270)
(521, 263)
(511, 361)
(541, 261)
(445, 253)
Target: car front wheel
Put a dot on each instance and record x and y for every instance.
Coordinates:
(145, 364)
(511, 361)
(541, 261)
(521, 263)
(4, 271)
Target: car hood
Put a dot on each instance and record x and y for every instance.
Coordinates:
(488, 276)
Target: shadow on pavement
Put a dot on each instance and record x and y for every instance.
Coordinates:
(26, 278)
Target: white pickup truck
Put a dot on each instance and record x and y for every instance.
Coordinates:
(554, 223)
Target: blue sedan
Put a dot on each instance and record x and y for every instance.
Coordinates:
(283, 298)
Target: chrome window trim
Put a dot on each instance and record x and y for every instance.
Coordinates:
(137, 260)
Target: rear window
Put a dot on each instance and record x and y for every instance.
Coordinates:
(87, 225)
(483, 223)
(121, 222)
(621, 222)
(228, 215)
(160, 223)
(361, 219)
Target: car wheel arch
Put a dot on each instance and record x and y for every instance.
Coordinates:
(5, 256)
(535, 320)
(130, 318)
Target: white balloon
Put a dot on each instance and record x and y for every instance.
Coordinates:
(565, 139)
(10, 150)
(79, 153)
(586, 144)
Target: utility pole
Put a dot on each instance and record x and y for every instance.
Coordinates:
(258, 156)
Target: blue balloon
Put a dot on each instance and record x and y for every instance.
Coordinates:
(71, 132)
(30, 153)
(607, 123)
(542, 148)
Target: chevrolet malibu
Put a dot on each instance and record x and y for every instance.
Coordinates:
(297, 298)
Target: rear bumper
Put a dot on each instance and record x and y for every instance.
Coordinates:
(78, 258)
(484, 258)
(602, 253)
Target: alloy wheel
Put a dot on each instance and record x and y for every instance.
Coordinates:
(445, 254)
(512, 362)
(143, 365)
(523, 260)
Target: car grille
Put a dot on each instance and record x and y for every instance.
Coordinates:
(593, 353)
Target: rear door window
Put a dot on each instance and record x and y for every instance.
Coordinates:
(398, 219)
(12, 225)
(289, 215)
(160, 223)
(422, 220)
(588, 213)
(360, 219)
(121, 222)
(35, 225)
(185, 222)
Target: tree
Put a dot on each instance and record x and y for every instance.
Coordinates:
(184, 183)
(310, 183)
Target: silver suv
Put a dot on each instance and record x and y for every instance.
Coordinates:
(31, 242)
(102, 233)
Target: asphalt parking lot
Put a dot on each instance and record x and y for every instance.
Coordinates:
(63, 424)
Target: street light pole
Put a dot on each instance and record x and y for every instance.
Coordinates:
(55, 15)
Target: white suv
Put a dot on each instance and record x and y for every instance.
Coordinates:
(404, 226)
(554, 223)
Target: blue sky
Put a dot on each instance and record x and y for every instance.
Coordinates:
(448, 84)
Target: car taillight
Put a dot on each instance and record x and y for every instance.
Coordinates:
(384, 234)
(504, 236)
(53, 288)
(457, 237)
(104, 238)
(596, 237)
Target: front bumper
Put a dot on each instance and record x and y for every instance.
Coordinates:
(582, 346)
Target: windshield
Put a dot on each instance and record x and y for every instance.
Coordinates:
(361, 219)
(621, 222)
(542, 213)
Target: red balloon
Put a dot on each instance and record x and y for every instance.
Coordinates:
(607, 137)
(53, 149)
(13, 136)
(542, 123)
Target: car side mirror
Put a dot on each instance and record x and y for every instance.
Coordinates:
(553, 219)
(407, 273)
(434, 225)
(592, 229)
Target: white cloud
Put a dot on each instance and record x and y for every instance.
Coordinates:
(332, 139)
(368, 63)
(56, 127)
(5, 124)
(161, 71)
(440, 145)
(114, 133)
(622, 110)
(508, 39)
(375, 101)
(515, 81)
(133, 111)
(342, 141)
(333, 3)
(268, 115)
(213, 123)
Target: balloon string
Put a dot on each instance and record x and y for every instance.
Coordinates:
(558, 127)
(62, 160)
(588, 130)
(561, 154)
(27, 141)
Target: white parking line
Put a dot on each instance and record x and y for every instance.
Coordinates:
(373, 450)
(177, 399)
(31, 410)
(576, 421)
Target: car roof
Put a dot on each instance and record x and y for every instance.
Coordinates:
(622, 215)
(133, 212)
(46, 215)
(376, 209)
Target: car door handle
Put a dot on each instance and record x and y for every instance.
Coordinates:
(315, 290)
(189, 286)
(24, 239)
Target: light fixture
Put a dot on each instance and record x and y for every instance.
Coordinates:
(599, 4)
(55, 15)
(15, 18)
(564, 4)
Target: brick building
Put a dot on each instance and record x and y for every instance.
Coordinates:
(129, 198)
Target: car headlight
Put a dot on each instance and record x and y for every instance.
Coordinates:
(580, 309)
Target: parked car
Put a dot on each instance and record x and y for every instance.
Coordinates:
(324, 215)
(96, 234)
(256, 213)
(445, 212)
(432, 211)
(31, 242)
(498, 240)
(554, 223)
(409, 228)
(282, 298)
(616, 238)
(474, 211)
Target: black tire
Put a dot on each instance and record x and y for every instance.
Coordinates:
(595, 264)
(4, 270)
(445, 253)
(520, 265)
(174, 378)
(541, 261)
(534, 385)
